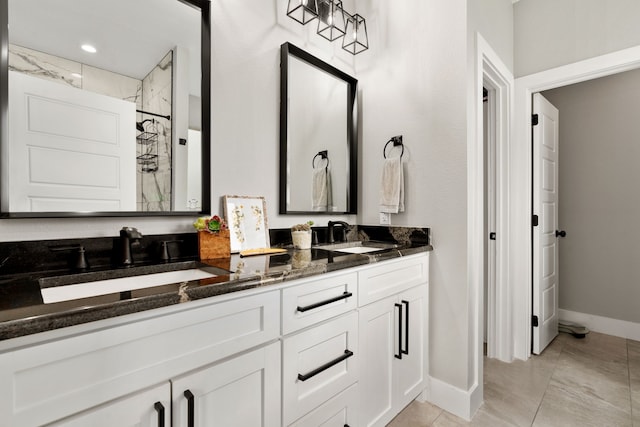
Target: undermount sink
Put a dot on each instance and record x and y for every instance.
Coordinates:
(121, 284)
(358, 247)
(359, 250)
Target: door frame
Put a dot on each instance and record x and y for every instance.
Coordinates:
(499, 82)
(489, 70)
(520, 173)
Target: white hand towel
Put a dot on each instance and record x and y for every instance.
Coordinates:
(392, 186)
(321, 194)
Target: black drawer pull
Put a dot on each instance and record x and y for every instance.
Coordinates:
(190, 408)
(347, 354)
(399, 355)
(159, 407)
(406, 328)
(345, 295)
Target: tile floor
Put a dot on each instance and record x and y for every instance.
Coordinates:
(593, 381)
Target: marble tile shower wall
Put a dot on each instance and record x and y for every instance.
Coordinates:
(152, 93)
(61, 70)
(154, 189)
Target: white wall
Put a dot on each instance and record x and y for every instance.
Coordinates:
(246, 98)
(550, 33)
(413, 84)
(599, 203)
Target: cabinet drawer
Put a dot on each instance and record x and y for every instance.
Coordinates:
(317, 365)
(45, 382)
(392, 277)
(318, 300)
(339, 411)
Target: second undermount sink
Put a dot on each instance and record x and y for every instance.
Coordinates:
(121, 284)
(359, 247)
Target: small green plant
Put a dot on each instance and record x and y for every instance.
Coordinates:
(302, 227)
(211, 224)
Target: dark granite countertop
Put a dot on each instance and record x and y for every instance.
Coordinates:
(23, 312)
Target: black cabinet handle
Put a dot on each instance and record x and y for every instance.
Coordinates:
(561, 233)
(347, 354)
(406, 328)
(399, 355)
(159, 407)
(345, 295)
(190, 408)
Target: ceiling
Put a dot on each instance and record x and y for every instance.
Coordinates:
(131, 36)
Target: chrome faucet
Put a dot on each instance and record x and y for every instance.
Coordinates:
(331, 224)
(128, 236)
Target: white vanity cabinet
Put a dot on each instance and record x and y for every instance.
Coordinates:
(393, 337)
(79, 370)
(347, 348)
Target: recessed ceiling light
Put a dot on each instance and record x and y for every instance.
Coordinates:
(88, 48)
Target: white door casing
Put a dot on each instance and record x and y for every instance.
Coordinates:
(545, 206)
(70, 149)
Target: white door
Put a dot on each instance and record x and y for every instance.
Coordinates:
(70, 149)
(545, 206)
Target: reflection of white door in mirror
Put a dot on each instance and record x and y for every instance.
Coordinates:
(70, 150)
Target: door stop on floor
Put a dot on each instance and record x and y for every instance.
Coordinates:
(577, 331)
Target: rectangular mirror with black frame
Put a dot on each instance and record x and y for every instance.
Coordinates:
(104, 108)
(318, 136)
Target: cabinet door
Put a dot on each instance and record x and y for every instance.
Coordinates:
(243, 391)
(410, 371)
(148, 408)
(378, 344)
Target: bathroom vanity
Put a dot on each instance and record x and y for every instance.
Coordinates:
(329, 338)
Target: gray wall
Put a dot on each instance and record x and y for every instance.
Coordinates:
(550, 33)
(493, 19)
(600, 196)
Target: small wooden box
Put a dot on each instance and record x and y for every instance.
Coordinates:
(214, 245)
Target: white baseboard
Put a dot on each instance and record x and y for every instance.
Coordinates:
(605, 325)
(462, 403)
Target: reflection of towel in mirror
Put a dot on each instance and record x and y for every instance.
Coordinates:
(392, 186)
(321, 193)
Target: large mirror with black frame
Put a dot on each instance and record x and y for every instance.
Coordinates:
(318, 141)
(104, 107)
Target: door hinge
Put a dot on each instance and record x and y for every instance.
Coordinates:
(534, 221)
(492, 235)
(534, 120)
(534, 321)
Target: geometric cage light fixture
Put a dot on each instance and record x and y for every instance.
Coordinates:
(333, 22)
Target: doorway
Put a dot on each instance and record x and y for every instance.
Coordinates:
(520, 177)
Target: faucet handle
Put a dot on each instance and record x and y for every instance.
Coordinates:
(164, 251)
(80, 262)
(131, 233)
